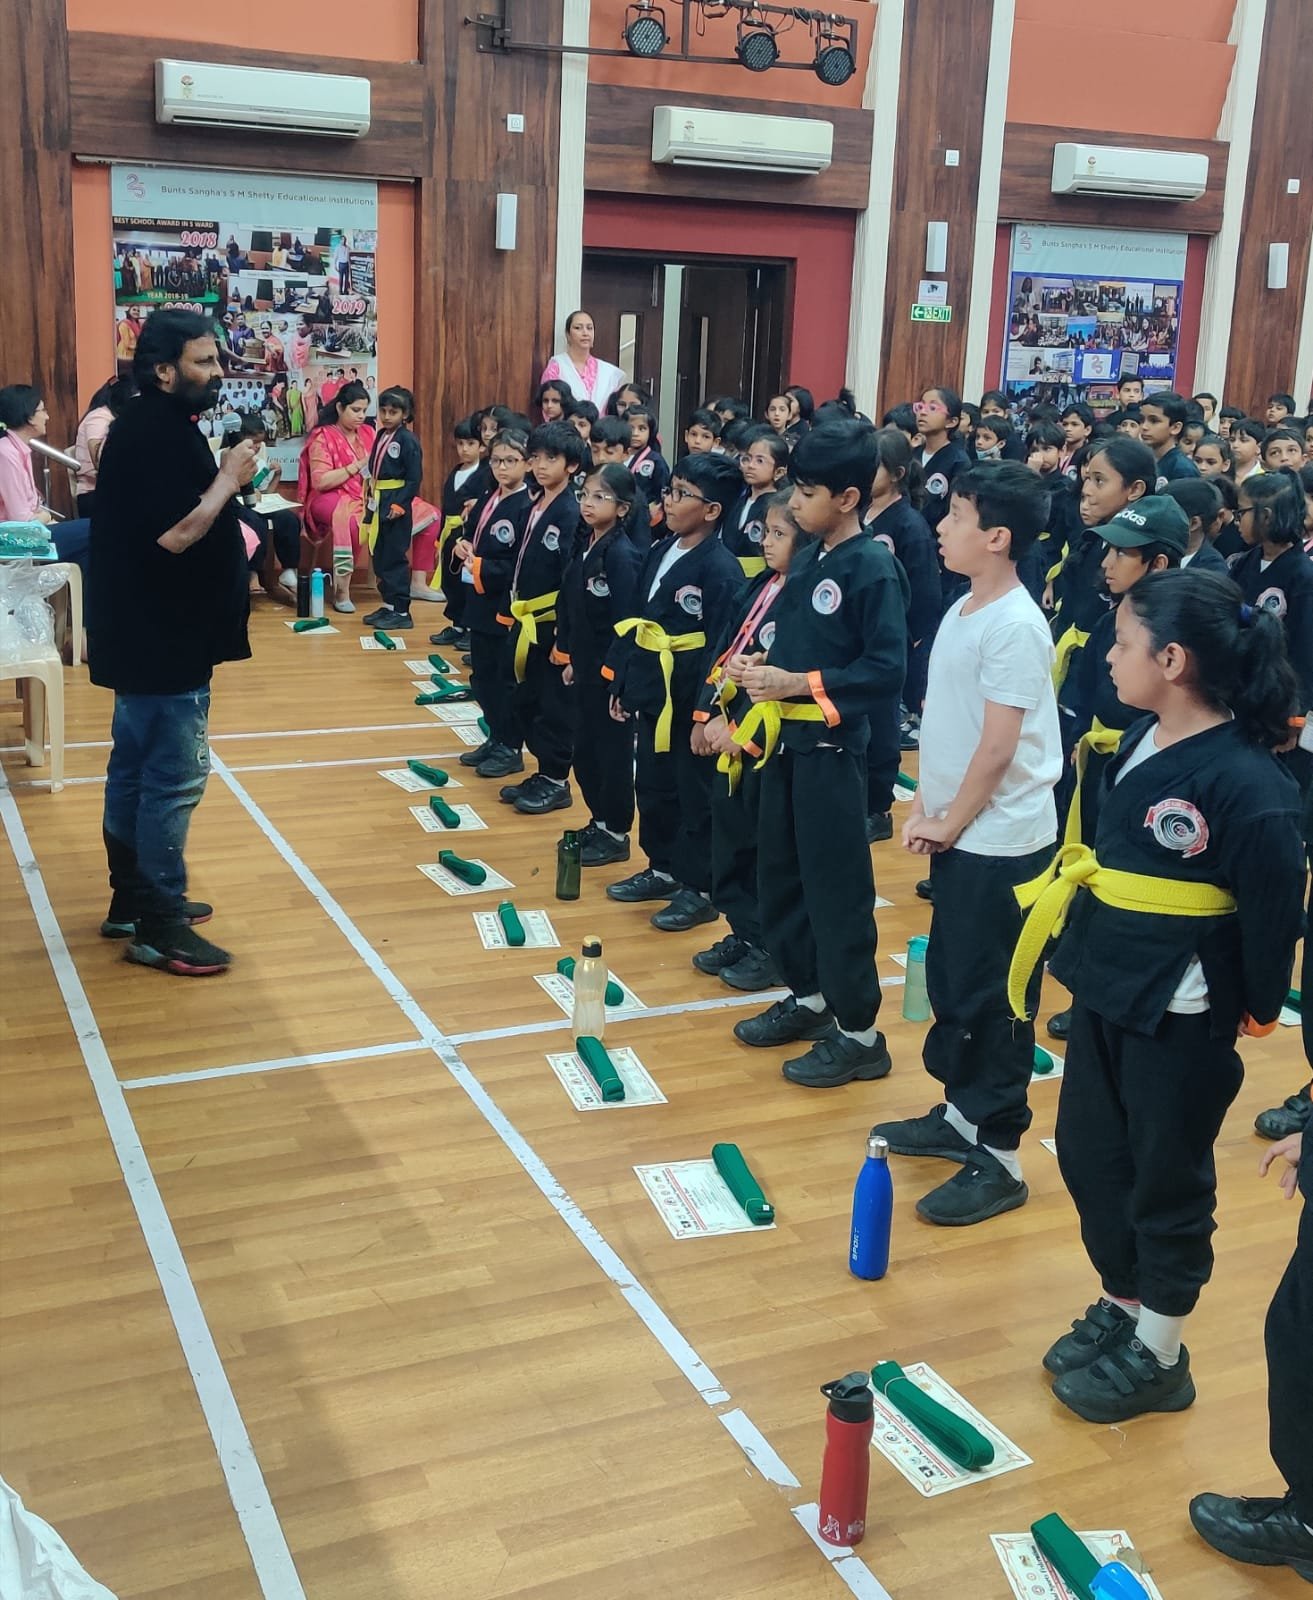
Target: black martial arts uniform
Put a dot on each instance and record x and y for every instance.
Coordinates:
(902, 529)
(743, 530)
(455, 497)
(540, 701)
(1285, 587)
(497, 529)
(396, 470)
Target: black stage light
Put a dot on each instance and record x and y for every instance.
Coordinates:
(758, 49)
(834, 61)
(645, 29)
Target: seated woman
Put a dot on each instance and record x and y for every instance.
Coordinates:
(279, 530)
(106, 404)
(331, 484)
(23, 417)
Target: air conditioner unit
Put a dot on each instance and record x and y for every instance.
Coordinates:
(1134, 174)
(689, 136)
(201, 94)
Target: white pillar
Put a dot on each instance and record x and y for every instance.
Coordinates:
(1304, 354)
(991, 175)
(570, 172)
(1237, 126)
(871, 252)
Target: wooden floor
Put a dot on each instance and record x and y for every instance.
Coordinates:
(446, 1393)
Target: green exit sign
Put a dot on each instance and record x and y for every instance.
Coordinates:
(922, 313)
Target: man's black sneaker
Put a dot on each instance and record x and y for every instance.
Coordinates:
(785, 1022)
(375, 618)
(119, 926)
(540, 795)
(687, 909)
(603, 849)
(879, 826)
(838, 1059)
(984, 1188)
(500, 762)
(1125, 1381)
(178, 950)
(925, 890)
(449, 635)
(1102, 1325)
(649, 884)
(471, 758)
(752, 972)
(1264, 1533)
(398, 621)
(930, 1135)
(1059, 1024)
(1291, 1116)
(724, 953)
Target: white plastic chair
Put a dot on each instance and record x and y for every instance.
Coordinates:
(41, 682)
(72, 575)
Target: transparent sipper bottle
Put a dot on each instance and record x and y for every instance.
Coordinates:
(588, 1018)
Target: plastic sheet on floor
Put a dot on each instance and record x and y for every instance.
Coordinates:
(35, 1563)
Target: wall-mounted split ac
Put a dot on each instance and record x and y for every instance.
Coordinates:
(201, 94)
(691, 136)
(1131, 174)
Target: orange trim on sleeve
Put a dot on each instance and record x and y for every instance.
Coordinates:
(506, 622)
(817, 686)
(702, 716)
(559, 658)
(609, 674)
(476, 572)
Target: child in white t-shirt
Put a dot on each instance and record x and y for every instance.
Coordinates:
(984, 813)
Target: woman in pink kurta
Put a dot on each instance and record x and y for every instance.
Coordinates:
(331, 483)
(589, 377)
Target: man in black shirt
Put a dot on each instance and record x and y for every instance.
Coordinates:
(167, 600)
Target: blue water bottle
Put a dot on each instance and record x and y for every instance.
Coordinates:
(916, 997)
(316, 593)
(873, 1213)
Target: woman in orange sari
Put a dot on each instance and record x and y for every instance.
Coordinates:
(331, 483)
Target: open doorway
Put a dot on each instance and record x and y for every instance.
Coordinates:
(689, 331)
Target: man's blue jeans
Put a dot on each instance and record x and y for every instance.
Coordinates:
(157, 773)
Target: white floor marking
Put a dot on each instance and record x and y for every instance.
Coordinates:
(675, 1009)
(279, 733)
(754, 1445)
(851, 1568)
(261, 1529)
(322, 1059)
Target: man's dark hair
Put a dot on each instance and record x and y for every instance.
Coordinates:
(1197, 497)
(560, 439)
(718, 479)
(704, 417)
(838, 456)
(1175, 407)
(1006, 494)
(610, 430)
(18, 404)
(163, 338)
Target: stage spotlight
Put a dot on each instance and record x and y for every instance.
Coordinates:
(758, 49)
(834, 61)
(645, 29)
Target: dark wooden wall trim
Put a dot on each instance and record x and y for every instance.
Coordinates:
(619, 152)
(1265, 326)
(1025, 196)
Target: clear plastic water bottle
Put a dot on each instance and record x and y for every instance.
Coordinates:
(873, 1213)
(588, 1017)
(916, 998)
(317, 593)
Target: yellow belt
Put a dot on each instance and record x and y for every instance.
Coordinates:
(751, 565)
(1099, 741)
(766, 718)
(648, 636)
(449, 527)
(1074, 639)
(529, 613)
(369, 527)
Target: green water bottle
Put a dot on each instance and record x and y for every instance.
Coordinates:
(569, 865)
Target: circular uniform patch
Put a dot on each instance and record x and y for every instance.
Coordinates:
(936, 484)
(1160, 483)
(394, 449)
(689, 599)
(886, 541)
(827, 597)
(552, 539)
(1178, 825)
(504, 532)
(756, 532)
(766, 637)
(1273, 600)
(599, 587)
(644, 469)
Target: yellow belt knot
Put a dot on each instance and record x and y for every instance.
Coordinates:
(450, 528)
(651, 637)
(529, 613)
(369, 527)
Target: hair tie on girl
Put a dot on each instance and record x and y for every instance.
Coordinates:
(1246, 616)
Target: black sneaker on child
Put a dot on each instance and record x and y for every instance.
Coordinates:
(925, 890)
(1059, 1024)
(879, 826)
(984, 1188)
(541, 795)
(396, 621)
(120, 924)
(1291, 1116)
(753, 971)
(448, 635)
(646, 885)
(178, 950)
(603, 849)
(838, 1059)
(1125, 1381)
(375, 618)
(930, 1135)
(500, 762)
(467, 658)
(724, 953)
(1263, 1533)
(471, 758)
(785, 1022)
(687, 909)
(1102, 1325)
(509, 793)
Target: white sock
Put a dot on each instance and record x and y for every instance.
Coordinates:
(813, 1002)
(1008, 1160)
(556, 783)
(865, 1036)
(609, 832)
(954, 1118)
(1132, 1308)
(1160, 1336)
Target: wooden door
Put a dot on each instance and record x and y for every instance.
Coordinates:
(731, 334)
(624, 295)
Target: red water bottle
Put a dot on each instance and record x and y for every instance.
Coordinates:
(846, 1467)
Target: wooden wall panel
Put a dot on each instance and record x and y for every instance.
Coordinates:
(37, 329)
(618, 157)
(1025, 195)
(113, 96)
(941, 105)
(1266, 324)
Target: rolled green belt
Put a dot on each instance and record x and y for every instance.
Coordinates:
(484, 729)
(1043, 1061)
(434, 775)
(510, 921)
(468, 871)
(306, 624)
(614, 996)
(908, 782)
(1071, 1557)
(1293, 1001)
(429, 699)
(742, 1185)
(384, 640)
(948, 1432)
(439, 665)
(593, 1055)
(446, 690)
(443, 812)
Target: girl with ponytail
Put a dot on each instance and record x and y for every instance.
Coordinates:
(1275, 574)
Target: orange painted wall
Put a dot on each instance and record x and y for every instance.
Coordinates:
(1158, 68)
(385, 30)
(798, 88)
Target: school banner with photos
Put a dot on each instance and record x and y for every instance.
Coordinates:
(1088, 306)
(286, 266)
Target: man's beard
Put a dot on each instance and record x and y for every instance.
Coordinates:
(199, 396)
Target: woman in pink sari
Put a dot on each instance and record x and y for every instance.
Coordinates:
(331, 483)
